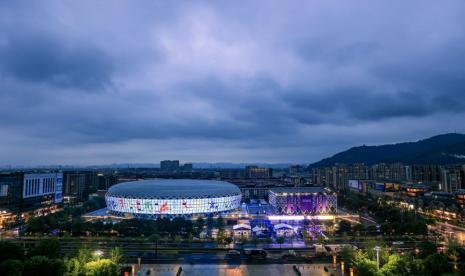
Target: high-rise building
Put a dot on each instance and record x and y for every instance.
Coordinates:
(426, 173)
(41, 190)
(74, 186)
(10, 198)
(25, 194)
(232, 173)
(452, 179)
(257, 172)
(169, 165)
(105, 181)
(187, 167)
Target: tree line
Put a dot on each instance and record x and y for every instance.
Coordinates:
(426, 261)
(45, 259)
(392, 220)
(68, 222)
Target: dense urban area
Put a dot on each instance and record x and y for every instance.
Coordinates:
(232, 138)
(384, 219)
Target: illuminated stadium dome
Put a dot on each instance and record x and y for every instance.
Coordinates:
(172, 197)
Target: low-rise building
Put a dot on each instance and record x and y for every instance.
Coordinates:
(242, 230)
(284, 230)
(303, 200)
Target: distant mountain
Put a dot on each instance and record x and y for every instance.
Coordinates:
(440, 149)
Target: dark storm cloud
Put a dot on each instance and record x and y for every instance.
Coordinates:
(217, 81)
(39, 58)
(359, 104)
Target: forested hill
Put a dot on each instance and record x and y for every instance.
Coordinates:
(440, 149)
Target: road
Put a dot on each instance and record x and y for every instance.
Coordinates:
(237, 269)
(450, 231)
(222, 257)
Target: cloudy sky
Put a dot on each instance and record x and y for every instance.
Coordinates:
(98, 82)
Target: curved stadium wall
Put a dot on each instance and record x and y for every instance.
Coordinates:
(155, 198)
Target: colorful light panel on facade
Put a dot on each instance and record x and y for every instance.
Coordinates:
(173, 206)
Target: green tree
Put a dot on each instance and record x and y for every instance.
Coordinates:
(396, 266)
(358, 228)
(84, 256)
(103, 267)
(11, 268)
(94, 204)
(154, 237)
(177, 239)
(414, 266)
(344, 227)
(116, 255)
(280, 241)
(9, 250)
(371, 252)
(40, 265)
(210, 223)
(455, 254)
(364, 266)
(49, 248)
(85, 263)
(73, 267)
(348, 253)
(426, 248)
(437, 264)
(220, 223)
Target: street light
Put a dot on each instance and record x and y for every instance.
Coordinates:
(377, 249)
(98, 253)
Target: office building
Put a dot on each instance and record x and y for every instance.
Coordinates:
(169, 165)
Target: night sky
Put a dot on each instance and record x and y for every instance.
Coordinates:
(100, 82)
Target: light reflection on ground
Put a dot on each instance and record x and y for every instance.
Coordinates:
(233, 270)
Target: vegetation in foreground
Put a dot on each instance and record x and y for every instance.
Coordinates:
(425, 262)
(45, 259)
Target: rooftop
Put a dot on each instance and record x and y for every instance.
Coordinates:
(173, 188)
(299, 190)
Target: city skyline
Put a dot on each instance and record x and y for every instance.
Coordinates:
(92, 83)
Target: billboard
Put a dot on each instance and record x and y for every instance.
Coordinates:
(379, 186)
(355, 184)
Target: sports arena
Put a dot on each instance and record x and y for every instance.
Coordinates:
(172, 197)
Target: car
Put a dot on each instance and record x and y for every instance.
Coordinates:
(308, 257)
(289, 254)
(233, 253)
(255, 253)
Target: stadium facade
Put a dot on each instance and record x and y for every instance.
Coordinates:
(172, 197)
(303, 201)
